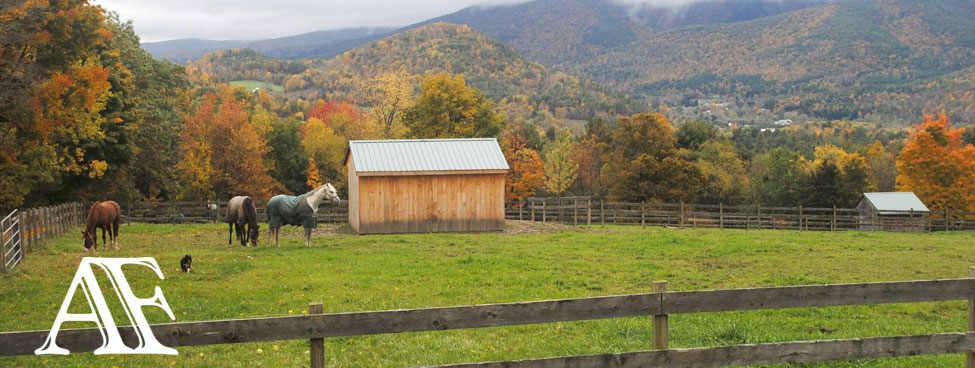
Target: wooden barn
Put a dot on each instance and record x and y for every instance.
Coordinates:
(891, 211)
(426, 185)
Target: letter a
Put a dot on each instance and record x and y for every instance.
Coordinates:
(111, 339)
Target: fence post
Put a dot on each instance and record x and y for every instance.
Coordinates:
(643, 215)
(660, 320)
(721, 215)
(971, 319)
(544, 213)
(533, 208)
(575, 212)
(317, 348)
(589, 212)
(800, 217)
(832, 223)
(602, 213)
(682, 214)
(760, 218)
(946, 219)
(521, 206)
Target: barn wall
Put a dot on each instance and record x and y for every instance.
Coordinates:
(431, 203)
(353, 195)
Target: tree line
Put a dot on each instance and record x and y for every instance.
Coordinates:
(87, 114)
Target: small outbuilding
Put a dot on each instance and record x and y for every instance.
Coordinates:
(426, 185)
(891, 211)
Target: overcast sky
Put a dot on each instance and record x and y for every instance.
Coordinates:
(159, 20)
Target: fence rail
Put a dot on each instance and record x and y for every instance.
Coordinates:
(658, 304)
(586, 211)
(24, 230)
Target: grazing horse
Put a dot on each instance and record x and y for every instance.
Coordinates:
(102, 215)
(241, 212)
(290, 210)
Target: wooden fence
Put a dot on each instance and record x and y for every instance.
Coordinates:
(659, 304)
(203, 212)
(24, 230)
(585, 211)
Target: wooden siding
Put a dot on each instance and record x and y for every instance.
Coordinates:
(427, 203)
(353, 196)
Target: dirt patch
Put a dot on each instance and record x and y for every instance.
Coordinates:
(515, 227)
(511, 227)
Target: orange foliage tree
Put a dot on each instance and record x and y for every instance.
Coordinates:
(938, 167)
(527, 167)
(222, 152)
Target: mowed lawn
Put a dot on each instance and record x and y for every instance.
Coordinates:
(361, 273)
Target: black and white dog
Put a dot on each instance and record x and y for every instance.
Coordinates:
(186, 263)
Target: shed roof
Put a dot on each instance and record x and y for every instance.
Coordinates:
(895, 202)
(427, 155)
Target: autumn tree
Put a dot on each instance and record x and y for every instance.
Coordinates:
(388, 95)
(526, 175)
(560, 170)
(53, 89)
(643, 164)
(881, 168)
(587, 153)
(448, 108)
(727, 179)
(314, 179)
(327, 148)
(196, 155)
(937, 166)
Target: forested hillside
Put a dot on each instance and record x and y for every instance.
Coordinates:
(487, 64)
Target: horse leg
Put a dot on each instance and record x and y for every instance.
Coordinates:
(276, 231)
(230, 240)
(245, 235)
(307, 237)
(115, 226)
(104, 230)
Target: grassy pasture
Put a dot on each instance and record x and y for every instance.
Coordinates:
(251, 84)
(359, 273)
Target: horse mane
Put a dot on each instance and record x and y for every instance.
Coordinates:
(250, 210)
(91, 209)
(314, 190)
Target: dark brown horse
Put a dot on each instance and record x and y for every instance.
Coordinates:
(102, 215)
(241, 212)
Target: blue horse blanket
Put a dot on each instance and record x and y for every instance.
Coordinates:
(289, 210)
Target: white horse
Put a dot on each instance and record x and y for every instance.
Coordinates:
(291, 210)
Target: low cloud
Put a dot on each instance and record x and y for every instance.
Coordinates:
(156, 20)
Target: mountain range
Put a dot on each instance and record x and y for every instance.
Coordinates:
(881, 60)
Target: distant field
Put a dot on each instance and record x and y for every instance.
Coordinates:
(359, 273)
(251, 84)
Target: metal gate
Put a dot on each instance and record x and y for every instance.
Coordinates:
(12, 250)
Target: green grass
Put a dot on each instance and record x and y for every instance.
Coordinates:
(360, 273)
(251, 84)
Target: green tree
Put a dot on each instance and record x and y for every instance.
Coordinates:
(448, 108)
(777, 178)
(643, 164)
(693, 133)
(287, 155)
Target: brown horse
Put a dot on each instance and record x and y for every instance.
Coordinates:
(102, 215)
(241, 212)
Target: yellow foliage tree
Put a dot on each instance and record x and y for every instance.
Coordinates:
(314, 179)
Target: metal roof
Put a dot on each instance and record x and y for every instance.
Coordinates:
(896, 202)
(427, 155)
